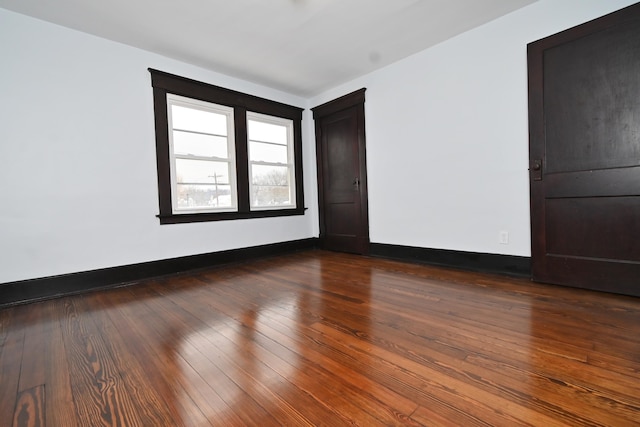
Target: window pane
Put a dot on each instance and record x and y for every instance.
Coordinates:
(267, 132)
(270, 186)
(197, 144)
(202, 172)
(198, 120)
(203, 196)
(261, 152)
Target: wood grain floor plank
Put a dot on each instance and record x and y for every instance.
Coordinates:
(191, 373)
(451, 391)
(232, 359)
(184, 384)
(439, 414)
(223, 378)
(4, 326)
(125, 350)
(37, 343)
(155, 352)
(99, 391)
(30, 408)
(61, 408)
(11, 360)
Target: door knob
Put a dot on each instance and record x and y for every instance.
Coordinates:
(536, 169)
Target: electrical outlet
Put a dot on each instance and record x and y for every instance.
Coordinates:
(503, 237)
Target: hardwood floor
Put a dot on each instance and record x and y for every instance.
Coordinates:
(319, 338)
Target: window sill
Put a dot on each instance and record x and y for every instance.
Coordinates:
(227, 216)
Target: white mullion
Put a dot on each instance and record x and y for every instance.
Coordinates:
(270, 143)
(204, 158)
(199, 133)
(261, 163)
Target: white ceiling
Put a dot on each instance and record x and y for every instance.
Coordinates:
(299, 46)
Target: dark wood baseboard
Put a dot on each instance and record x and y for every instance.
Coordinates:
(473, 261)
(25, 291)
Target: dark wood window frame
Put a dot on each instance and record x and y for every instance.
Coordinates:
(164, 83)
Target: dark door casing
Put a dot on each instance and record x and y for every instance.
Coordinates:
(584, 130)
(342, 177)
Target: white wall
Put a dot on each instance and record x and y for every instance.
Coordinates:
(447, 134)
(77, 150)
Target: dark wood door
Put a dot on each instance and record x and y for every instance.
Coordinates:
(584, 112)
(342, 177)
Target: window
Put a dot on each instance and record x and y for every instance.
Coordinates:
(271, 167)
(223, 154)
(203, 156)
